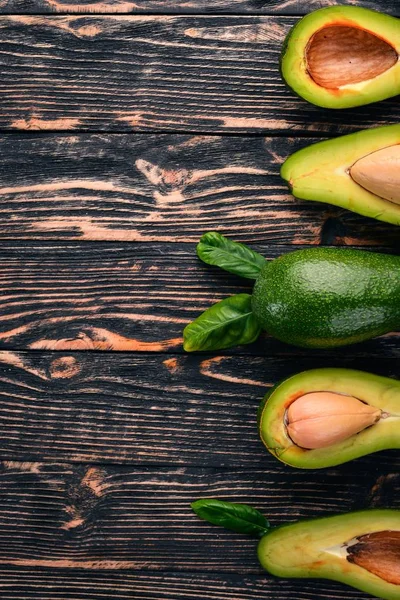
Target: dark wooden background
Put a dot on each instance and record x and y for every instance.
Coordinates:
(128, 129)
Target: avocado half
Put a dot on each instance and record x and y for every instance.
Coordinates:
(360, 172)
(343, 56)
(361, 549)
(380, 392)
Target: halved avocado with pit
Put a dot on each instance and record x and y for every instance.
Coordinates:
(379, 392)
(359, 172)
(361, 549)
(343, 56)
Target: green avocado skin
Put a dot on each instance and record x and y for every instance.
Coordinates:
(317, 549)
(328, 297)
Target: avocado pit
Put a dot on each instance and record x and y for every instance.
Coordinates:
(378, 553)
(379, 173)
(339, 55)
(321, 419)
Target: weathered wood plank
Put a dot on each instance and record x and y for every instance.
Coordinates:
(113, 518)
(291, 7)
(166, 188)
(207, 74)
(145, 409)
(136, 297)
(59, 584)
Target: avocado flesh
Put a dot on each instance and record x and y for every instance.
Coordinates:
(380, 392)
(343, 56)
(328, 297)
(328, 172)
(317, 549)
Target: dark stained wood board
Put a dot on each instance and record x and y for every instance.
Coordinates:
(158, 73)
(291, 7)
(146, 408)
(165, 188)
(114, 518)
(126, 297)
(109, 431)
(66, 584)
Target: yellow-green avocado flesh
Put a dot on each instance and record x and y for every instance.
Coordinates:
(380, 392)
(317, 549)
(346, 58)
(321, 172)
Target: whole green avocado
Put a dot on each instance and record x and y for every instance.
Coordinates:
(326, 297)
(360, 549)
(312, 298)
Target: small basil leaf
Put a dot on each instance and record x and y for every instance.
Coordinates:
(225, 324)
(215, 249)
(237, 517)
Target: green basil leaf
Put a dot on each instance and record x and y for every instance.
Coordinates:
(225, 324)
(215, 249)
(237, 517)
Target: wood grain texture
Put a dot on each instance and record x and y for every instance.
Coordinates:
(179, 6)
(102, 452)
(145, 409)
(136, 297)
(122, 518)
(152, 73)
(60, 584)
(164, 188)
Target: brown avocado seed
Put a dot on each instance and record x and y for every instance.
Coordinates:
(378, 553)
(339, 55)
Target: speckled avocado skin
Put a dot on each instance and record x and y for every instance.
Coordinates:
(326, 297)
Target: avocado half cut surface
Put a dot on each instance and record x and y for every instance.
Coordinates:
(360, 172)
(343, 56)
(372, 426)
(360, 549)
